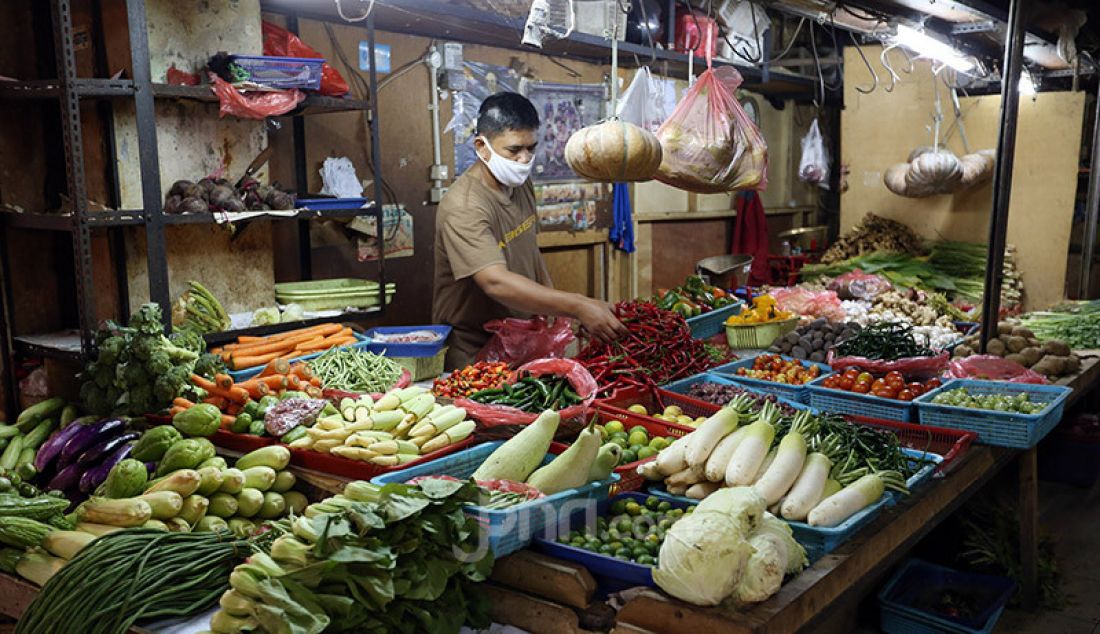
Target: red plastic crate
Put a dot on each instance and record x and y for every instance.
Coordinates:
(630, 480)
(241, 442)
(654, 400)
(949, 443)
(359, 470)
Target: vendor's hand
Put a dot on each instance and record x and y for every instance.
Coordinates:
(599, 320)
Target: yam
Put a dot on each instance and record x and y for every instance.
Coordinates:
(996, 347)
(963, 351)
(1021, 331)
(1016, 343)
(1031, 355)
(1016, 358)
(1032, 342)
(1050, 365)
(1056, 348)
(806, 344)
(1072, 365)
(1004, 328)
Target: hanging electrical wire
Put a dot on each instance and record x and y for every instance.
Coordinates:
(790, 44)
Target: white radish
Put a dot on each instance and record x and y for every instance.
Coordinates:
(808, 488)
(774, 508)
(648, 470)
(719, 459)
(701, 442)
(671, 460)
(676, 490)
(700, 490)
(764, 466)
(850, 500)
(687, 477)
(750, 453)
(784, 470)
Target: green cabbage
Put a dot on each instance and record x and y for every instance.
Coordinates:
(702, 557)
(265, 316)
(763, 572)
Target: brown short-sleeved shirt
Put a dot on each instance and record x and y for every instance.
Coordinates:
(477, 226)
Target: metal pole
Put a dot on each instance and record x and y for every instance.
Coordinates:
(301, 179)
(1002, 177)
(1092, 207)
(376, 158)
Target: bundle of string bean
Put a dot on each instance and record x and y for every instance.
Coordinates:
(354, 370)
(134, 574)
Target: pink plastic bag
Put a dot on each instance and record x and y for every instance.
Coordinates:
(579, 378)
(912, 367)
(988, 367)
(856, 284)
(517, 341)
(809, 303)
(710, 145)
(254, 105)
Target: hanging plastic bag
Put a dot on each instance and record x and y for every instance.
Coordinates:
(642, 102)
(254, 105)
(580, 379)
(710, 145)
(282, 43)
(813, 167)
(517, 341)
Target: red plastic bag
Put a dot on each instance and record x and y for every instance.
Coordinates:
(517, 341)
(911, 367)
(254, 105)
(282, 43)
(710, 145)
(811, 304)
(579, 378)
(988, 367)
(856, 284)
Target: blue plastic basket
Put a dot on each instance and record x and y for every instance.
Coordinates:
(428, 349)
(924, 474)
(282, 72)
(682, 386)
(513, 528)
(611, 574)
(916, 579)
(244, 375)
(709, 324)
(844, 402)
(1004, 429)
(797, 393)
(329, 204)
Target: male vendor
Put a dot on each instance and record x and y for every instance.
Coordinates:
(487, 260)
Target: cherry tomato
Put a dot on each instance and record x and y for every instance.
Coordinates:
(846, 384)
(895, 375)
(906, 395)
(916, 388)
(932, 384)
(852, 372)
(861, 387)
(878, 384)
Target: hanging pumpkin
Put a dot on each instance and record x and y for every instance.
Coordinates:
(614, 151)
(977, 168)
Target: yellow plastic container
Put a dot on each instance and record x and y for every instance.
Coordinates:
(758, 336)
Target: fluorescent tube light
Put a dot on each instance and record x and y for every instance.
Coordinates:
(928, 46)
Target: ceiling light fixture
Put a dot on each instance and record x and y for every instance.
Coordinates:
(1027, 86)
(927, 46)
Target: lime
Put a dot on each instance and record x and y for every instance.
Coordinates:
(624, 526)
(640, 551)
(618, 434)
(638, 409)
(646, 452)
(615, 545)
(699, 420)
(646, 560)
(675, 513)
(652, 502)
(604, 536)
(690, 508)
(577, 542)
(633, 508)
(638, 438)
(664, 506)
(665, 523)
(685, 420)
(652, 541)
(593, 545)
(659, 442)
(618, 507)
(602, 430)
(605, 549)
(620, 441)
(673, 410)
(563, 539)
(613, 427)
(628, 456)
(623, 553)
(614, 535)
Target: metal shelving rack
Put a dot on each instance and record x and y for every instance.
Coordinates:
(71, 90)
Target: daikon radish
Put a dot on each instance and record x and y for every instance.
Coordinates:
(715, 469)
(753, 448)
(701, 442)
(853, 498)
(671, 459)
(789, 458)
(808, 487)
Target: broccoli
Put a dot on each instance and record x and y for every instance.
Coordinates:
(144, 346)
(188, 339)
(171, 384)
(208, 365)
(158, 363)
(148, 320)
(110, 349)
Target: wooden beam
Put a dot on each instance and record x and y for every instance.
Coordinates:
(559, 581)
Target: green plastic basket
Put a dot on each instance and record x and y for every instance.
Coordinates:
(758, 336)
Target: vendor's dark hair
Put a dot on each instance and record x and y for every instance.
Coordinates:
(506, 111)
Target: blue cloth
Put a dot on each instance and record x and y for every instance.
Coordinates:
(622, 219)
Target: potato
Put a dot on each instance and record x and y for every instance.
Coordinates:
(1073, 364)
(1050, 365)
(963, 351)
(1032, 342)
(996, 347)
(1032, 355)
(1020, 331)
(1016, 343)
(1004, 328)
(1016, 358)
(1056, 348)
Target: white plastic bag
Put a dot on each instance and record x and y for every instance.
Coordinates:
(642, 103)
(813, 168)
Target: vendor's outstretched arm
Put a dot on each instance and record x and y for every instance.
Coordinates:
(524, 295)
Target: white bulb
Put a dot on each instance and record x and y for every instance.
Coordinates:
(1027, 85)
(928, 46)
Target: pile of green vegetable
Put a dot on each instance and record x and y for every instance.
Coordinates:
(352, 370)
(1019, 403)
(532, 394)
(197, 309)
(373, 559)
(693, 298)
(633, 531)
(1075, 323)
(888, 341)
(138, 370)
(19, 443)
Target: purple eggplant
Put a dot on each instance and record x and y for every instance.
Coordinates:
(53, 446)
(87, 436)
(97, 452)
(151, 467)
(67, 479)
(95, 476)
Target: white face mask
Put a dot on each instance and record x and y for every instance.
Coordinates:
(509, 173)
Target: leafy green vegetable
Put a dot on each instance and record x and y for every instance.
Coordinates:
(1075, 323)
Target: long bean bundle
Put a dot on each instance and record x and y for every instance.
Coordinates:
(355, 370)
(134, 574)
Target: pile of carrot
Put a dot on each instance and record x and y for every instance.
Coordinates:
(230, 397)
(251, 352)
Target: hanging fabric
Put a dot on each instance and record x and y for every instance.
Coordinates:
(750, 236)
(621, 233)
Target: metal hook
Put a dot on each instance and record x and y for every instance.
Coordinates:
(885, 59)
(874, 75)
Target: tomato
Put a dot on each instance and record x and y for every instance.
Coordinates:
(852, 373)
(906, 395)
(895, 382)
(888, 392)
(878, 384)
(916, 388)
(895, 375)
(865, 376)
(932, 384)
(846, 384)
(861, 387)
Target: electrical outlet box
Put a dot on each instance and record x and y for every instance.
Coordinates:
(437, 195)
(440, 172)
